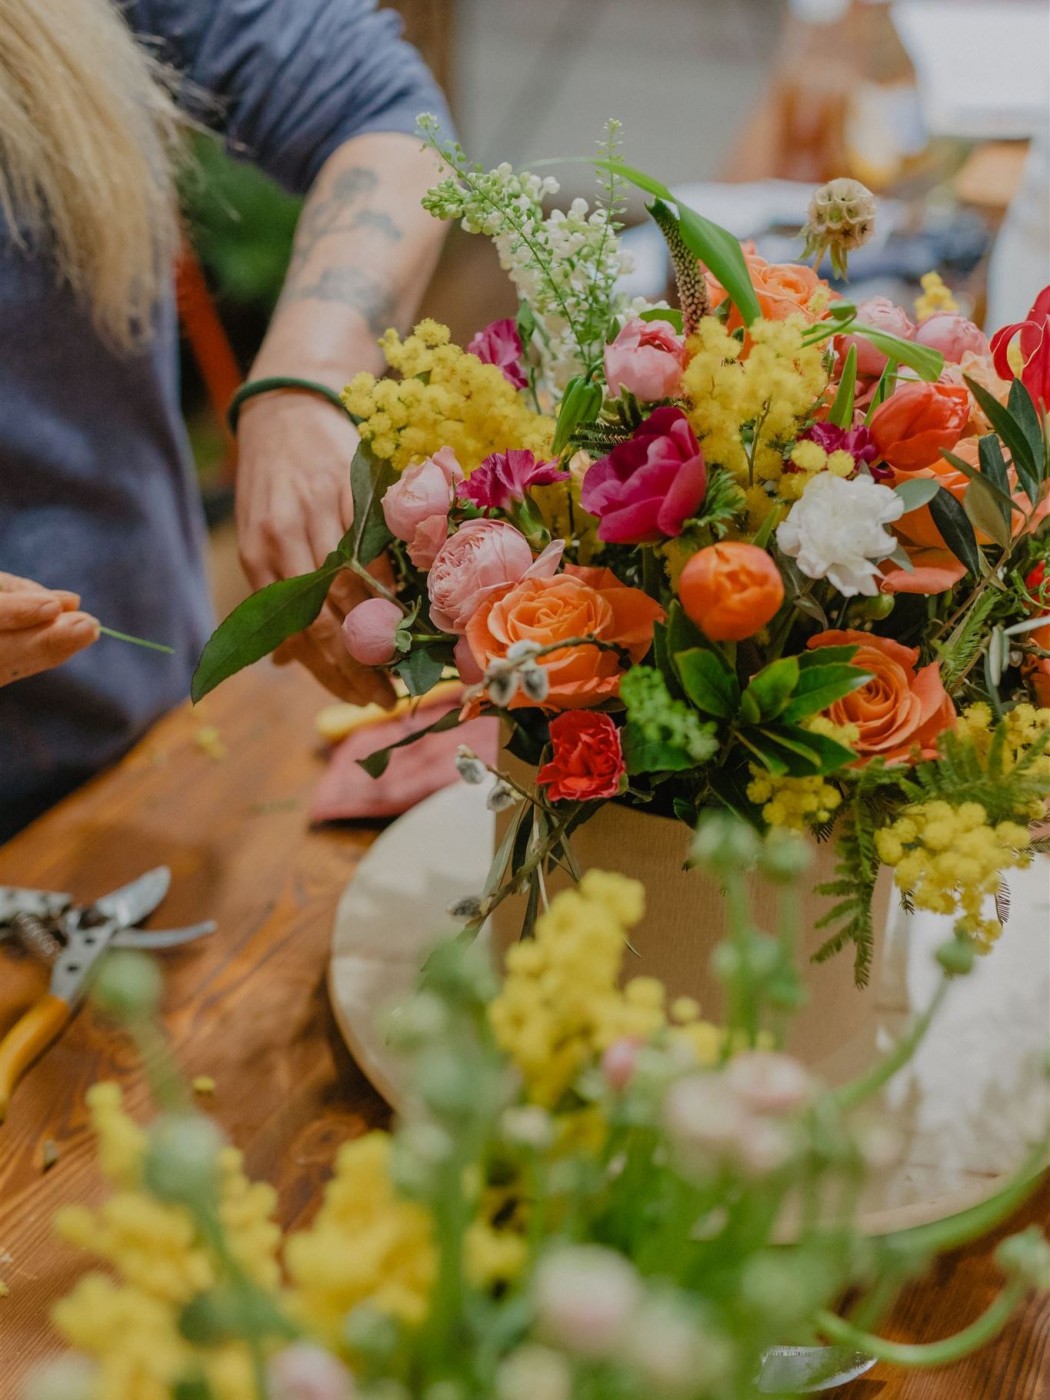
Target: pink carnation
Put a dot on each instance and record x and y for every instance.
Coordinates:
(646, 359)
(499, 344)
(416, 506)
(649, 486)
(505, 477)
(954, 336)
(480, 557)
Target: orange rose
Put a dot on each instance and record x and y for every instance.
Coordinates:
(918, 422)
(900, 712)
(577, 603)
(730, 590)
(782, 289)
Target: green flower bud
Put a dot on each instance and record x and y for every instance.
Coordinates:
(784, 857)
(370, 1333)
(182, 1159)
(956, 956)
(1026, 1256)
(128, 985)
(724, 842)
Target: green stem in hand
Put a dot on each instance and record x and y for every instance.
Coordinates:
(135, 641)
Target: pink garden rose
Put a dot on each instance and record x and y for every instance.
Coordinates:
(646, 359)
(499, 344)
(504, 478)
(954, 336)
(480, 557)
(649, 486)
(369, 631)
(416, 506)
(882, 315)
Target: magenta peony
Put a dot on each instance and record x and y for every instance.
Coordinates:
(505, 477)
(649, 486)
(480, 557)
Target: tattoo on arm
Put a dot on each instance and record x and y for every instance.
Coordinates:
(341, 210)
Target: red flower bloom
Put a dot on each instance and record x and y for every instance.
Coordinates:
(918, 422)
(1034, 343)
(586, 760)
(649, 486)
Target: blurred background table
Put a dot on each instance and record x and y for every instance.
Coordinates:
(221, 794)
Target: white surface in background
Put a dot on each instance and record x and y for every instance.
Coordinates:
(983, 68)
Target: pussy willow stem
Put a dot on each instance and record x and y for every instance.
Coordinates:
(539, 855)
(928, 1354)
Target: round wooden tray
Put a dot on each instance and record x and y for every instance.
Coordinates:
(966, 1105)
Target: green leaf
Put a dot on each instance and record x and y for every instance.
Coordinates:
(925, 362)
(682, 634)
(708, 682)
(820, 686)
(580, 403)
(370, 476)
(772, 687)
(1004, 503)
(956, 530)
(1025, 416)
(842, 409)
(663, 313)
(421, 669)
(261, 623)
(714, 246)
(375, 764)
(984, 511)
(824, 754)
(644, 755)
(882, 389)
(993, 463)
(1011, 432)
(916, 491)
(827, 656)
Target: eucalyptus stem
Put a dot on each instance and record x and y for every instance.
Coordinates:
(916, 1355)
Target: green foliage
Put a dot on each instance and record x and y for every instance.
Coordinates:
(661, 732)
(722, 505)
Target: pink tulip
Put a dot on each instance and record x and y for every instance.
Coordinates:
(646, 359)
(480, 557)
(954, 336)
(416, 506)
(370, 631)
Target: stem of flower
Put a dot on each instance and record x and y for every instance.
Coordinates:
(372, 583)
(883, 1072)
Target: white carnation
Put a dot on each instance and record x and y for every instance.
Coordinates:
(837, 531)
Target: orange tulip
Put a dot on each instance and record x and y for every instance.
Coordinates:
(730, 590)
(918, 422)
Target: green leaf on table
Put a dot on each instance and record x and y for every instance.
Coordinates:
(842, 408)
(261, 623)
(376, 763)
(421, 669)
(1012, 433)
(715, 246)
(916, 491)
(370, 476)
(771, 688)
(708, 681)
(956, 530)
(820, 686)
(643, 755)
(926, 363)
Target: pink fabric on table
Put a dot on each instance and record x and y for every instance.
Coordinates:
(347, 793)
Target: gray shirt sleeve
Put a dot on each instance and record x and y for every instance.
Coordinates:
(288, 81)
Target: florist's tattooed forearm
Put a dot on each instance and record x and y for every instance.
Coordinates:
(351, 286)
(338, 211)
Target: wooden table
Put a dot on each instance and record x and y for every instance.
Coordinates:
(249, 1008)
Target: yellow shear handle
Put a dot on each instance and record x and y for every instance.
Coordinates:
(26, 1039)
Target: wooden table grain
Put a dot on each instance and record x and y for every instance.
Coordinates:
(248, 1008)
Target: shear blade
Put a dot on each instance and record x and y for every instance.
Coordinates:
(158, 938)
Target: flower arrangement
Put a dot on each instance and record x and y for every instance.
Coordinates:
(596, 1196)
(767, 551)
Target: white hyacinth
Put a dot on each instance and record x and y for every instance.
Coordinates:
(837, 531)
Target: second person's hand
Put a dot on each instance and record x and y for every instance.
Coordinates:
(39, 627)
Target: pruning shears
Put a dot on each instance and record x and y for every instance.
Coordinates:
(72, 938)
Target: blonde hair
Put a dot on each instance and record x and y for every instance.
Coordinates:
(87, 134)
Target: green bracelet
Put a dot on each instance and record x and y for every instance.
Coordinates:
(253, 387)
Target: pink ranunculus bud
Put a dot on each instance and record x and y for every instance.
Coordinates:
(470, 673)
(585, 1296)
(647, 487)
(370, 629)
(952, 335)
(499, 344)
(882, 315)
(619, 1062)
(646, 359)
(305, 1371)
(416, 506)
(480, 557)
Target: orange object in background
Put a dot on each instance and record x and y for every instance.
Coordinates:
(208, 341)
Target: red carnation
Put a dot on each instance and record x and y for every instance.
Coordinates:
(586, 760)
